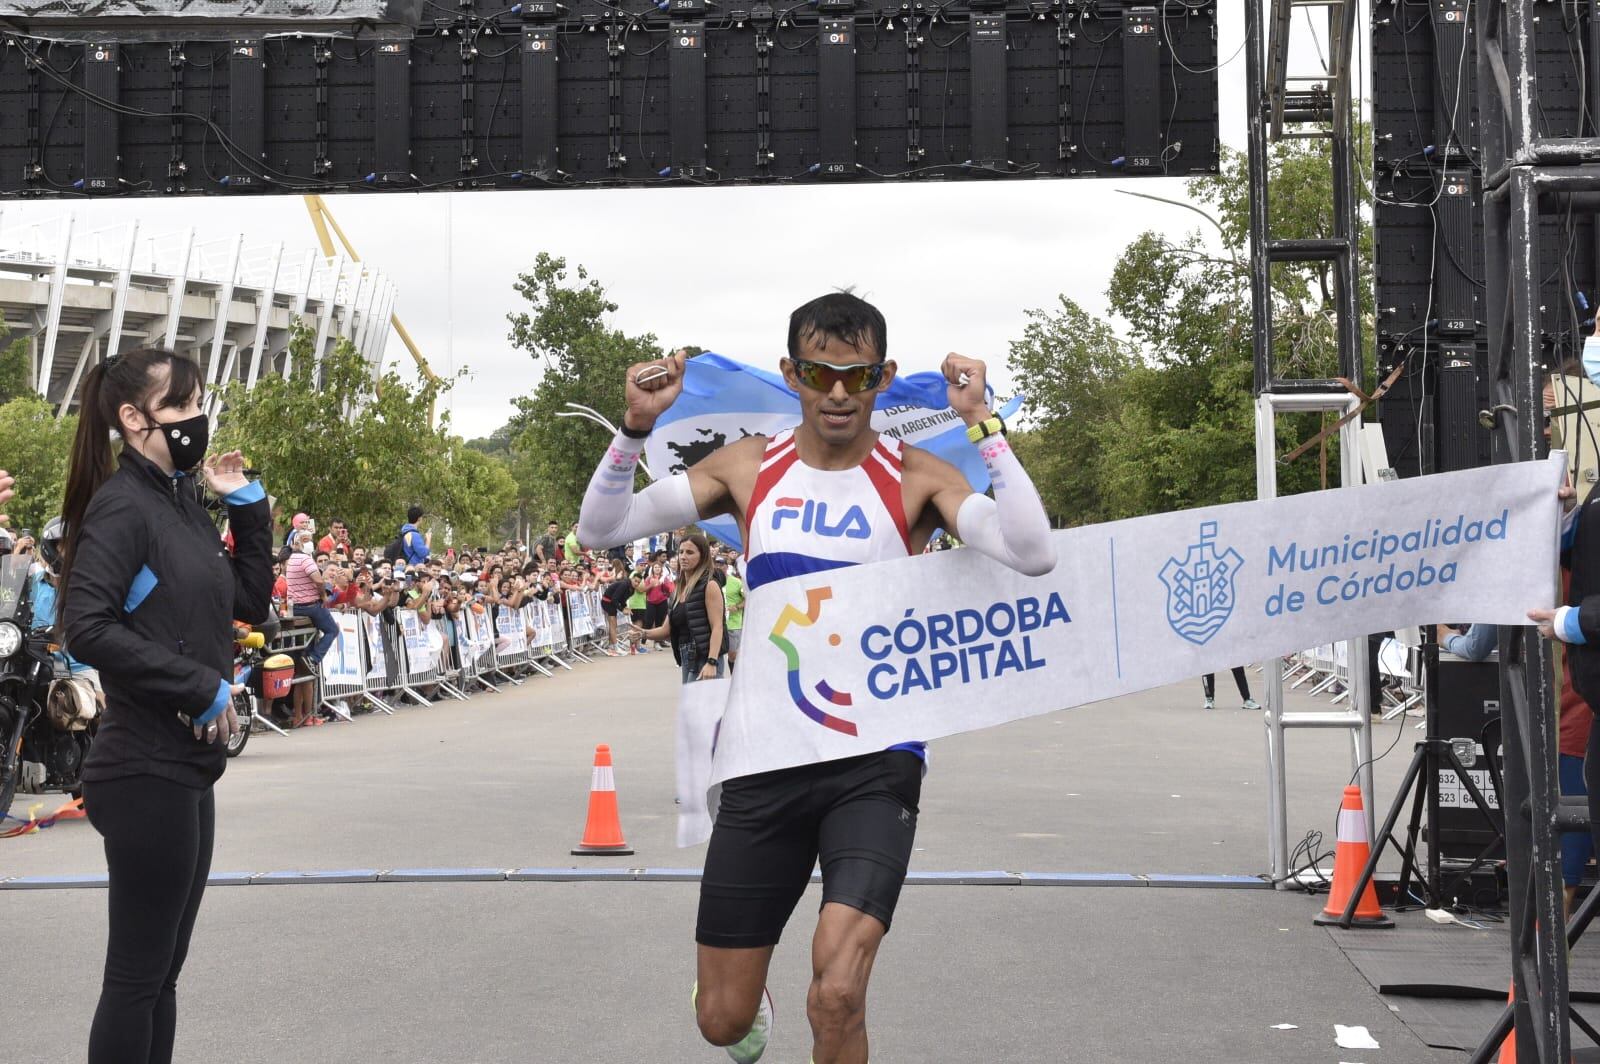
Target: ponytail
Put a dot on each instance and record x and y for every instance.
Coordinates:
(90, 465)
(120, 379)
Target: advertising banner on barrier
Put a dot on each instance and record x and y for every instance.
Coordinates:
(555, 626)
(928, 646)
(439, 642)
(479, 639)
(511, 636)
(578, 606)
(536, 618)
(419, 648)
(342, 664)
(377, 662)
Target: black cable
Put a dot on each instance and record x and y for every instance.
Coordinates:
(1083, 26)
(1083, 124)
(1207, 70)
(1305, 857)
(494, 110)
(643, 88)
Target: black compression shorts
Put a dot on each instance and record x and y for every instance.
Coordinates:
(858, 817)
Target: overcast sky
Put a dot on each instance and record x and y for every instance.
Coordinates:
(954, 267)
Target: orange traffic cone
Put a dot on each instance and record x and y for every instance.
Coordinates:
(603, 832)
(1508, 1048)
(1349, 858)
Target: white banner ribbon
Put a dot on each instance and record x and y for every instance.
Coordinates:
(847, 662)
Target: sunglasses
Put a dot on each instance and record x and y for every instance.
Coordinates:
(822, 376)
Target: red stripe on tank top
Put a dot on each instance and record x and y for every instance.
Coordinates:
(766, 479)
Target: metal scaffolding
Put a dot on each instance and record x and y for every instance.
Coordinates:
(1305, 106)
(1525, 174)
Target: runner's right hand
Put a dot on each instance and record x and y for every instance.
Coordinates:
(647, 401)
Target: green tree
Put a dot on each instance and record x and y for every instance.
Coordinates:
(356, 448)
(477, 495)
(1160, 416)
(15, 366)
(1073, 365)
(35, 446)
(583, 360)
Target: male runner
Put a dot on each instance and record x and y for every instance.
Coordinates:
(858, 815)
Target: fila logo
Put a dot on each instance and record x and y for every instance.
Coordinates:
(813, 517)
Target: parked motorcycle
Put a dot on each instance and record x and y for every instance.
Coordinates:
(47, 717)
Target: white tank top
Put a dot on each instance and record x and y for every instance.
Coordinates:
(804, 520)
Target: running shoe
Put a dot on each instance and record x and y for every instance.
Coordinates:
(1251, 703)
(1211, 703)
(749, 1049)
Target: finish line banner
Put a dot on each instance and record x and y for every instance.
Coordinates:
(851, 661)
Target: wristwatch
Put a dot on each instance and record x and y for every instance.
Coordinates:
(992, 426)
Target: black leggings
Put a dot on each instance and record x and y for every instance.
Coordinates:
(1209, 682)
(158, 837)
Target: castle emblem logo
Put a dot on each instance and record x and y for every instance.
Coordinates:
(1200, 593)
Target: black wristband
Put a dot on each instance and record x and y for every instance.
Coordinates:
(634, 434)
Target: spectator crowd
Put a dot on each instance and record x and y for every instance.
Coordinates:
(320, 571)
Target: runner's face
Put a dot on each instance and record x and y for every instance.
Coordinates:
(837, 415)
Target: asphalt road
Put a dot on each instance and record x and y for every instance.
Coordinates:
(559, 972)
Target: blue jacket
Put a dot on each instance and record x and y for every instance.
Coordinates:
(414, 546)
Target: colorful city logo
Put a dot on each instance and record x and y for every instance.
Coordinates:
(814, 600)
(813, 518)
(1200, 593)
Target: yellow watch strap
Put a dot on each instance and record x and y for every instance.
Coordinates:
(988, 427)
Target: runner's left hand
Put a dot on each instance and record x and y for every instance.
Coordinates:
(968, 397)
(224, 473)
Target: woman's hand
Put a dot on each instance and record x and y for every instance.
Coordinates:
(226, 726)
(709, 671)
(224, 473)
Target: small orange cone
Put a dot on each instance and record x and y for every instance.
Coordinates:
(1508, 1048)
(1349, 858)
(603, 832)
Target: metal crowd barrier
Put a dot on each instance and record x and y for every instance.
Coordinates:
(477, 654)
(510, 640)
(542, 620)
(1327, 670)
(379, 665)
(289, 640)
(382, 661)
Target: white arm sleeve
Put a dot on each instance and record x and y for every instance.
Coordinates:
(613, 515)
(1012, 528)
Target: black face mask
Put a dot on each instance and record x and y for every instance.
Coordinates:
(187, 440)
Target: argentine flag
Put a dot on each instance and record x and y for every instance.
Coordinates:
(724, 400)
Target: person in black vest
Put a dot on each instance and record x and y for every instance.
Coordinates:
(695, 614)
(148, 595)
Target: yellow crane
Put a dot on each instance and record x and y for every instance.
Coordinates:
(322, 220)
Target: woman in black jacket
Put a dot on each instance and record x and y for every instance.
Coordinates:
(148, 595)
(695, 614)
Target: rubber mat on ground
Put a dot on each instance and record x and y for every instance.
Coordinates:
(1419, 958)
(1461, 1023)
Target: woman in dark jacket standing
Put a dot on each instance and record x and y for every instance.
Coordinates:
(148, 595)
(695, 614)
